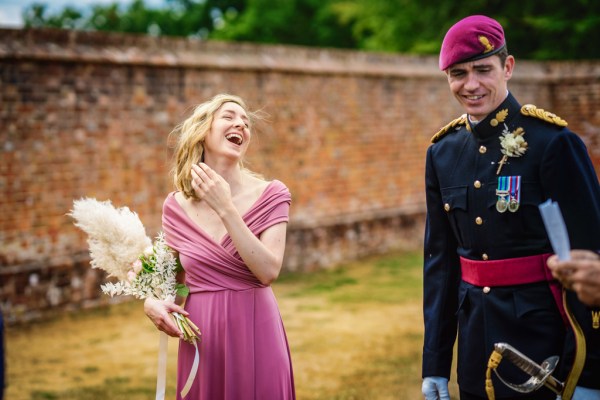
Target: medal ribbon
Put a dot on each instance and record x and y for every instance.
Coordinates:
(503, 184)
(502, 193)
(514, 188)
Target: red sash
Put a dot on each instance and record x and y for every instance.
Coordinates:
(513, 271)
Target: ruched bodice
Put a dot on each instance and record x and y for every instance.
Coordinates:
(218, 266)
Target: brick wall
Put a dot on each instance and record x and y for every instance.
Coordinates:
(88, 115)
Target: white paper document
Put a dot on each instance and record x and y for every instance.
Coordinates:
(556, 229)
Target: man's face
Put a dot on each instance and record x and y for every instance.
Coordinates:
(480, 86)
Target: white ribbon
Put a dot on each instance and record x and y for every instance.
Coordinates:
(193, 372)
(161, 379)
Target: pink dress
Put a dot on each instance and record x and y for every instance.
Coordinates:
(244, 352)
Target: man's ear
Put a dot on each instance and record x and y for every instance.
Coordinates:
(509, 66)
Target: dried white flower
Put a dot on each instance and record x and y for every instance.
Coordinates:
(513, 144)
(116, 236)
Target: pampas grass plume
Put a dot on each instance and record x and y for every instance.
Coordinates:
(116, 236)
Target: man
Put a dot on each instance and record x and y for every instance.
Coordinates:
(486, 247)
(581, 274)
(1, 356)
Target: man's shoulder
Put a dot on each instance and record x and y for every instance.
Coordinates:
(453, 125)
(532, 111)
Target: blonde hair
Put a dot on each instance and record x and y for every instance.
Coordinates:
(190, 141)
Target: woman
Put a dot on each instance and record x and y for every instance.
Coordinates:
(228, 226)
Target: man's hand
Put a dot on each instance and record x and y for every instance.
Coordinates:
(581, 274)
(582, 393)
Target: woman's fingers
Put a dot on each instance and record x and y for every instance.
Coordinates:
(203, 177)
(172, 307)
(159, 313)
(210, 186)
(196, 179)
(203, 172)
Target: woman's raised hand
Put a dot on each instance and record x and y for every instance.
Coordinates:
(211, 187)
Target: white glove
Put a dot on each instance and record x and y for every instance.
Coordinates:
(583, 393)
(436, 387)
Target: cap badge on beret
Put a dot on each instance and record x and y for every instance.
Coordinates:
(486, 44)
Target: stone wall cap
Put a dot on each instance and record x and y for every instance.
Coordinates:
(64, 45)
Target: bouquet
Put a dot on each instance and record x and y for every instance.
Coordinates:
(119, 246)
(153, 275)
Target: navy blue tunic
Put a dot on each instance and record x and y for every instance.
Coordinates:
(1, 356)
(462, 221)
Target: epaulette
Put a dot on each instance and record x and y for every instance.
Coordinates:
(462, 120)
(532, 111)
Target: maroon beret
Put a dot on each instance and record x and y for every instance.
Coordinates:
(471, 38)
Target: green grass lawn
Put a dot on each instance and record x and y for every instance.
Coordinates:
(355, 332)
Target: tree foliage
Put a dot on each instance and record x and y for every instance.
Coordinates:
(177, 18)
(300, 22)
(535, 29)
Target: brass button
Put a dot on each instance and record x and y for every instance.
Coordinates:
(484, 257)
(482, 149)
(486, 289)
(447, 207)
(478, 221)
(477, 184)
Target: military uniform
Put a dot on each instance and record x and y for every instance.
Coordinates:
(470, 226)
(1, 356)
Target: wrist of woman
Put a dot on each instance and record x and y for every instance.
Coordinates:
(227, 211)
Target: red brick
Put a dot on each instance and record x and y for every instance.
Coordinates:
(89, 114)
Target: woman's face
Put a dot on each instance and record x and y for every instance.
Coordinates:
(229, 134)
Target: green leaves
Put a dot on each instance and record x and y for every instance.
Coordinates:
(535, 29)
(147, 264)
(182, 290)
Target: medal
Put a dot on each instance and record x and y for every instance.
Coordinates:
(508, 192)
(502, 193)
(515, 193)
(502, 203)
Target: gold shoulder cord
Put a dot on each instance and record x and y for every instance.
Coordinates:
(532, 111)
(462, 120)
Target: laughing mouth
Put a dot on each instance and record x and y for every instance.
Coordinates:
(235, 138)
(473, 98)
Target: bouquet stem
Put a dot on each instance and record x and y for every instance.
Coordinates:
(191, 333)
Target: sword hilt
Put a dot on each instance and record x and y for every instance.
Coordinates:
(540, 374)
